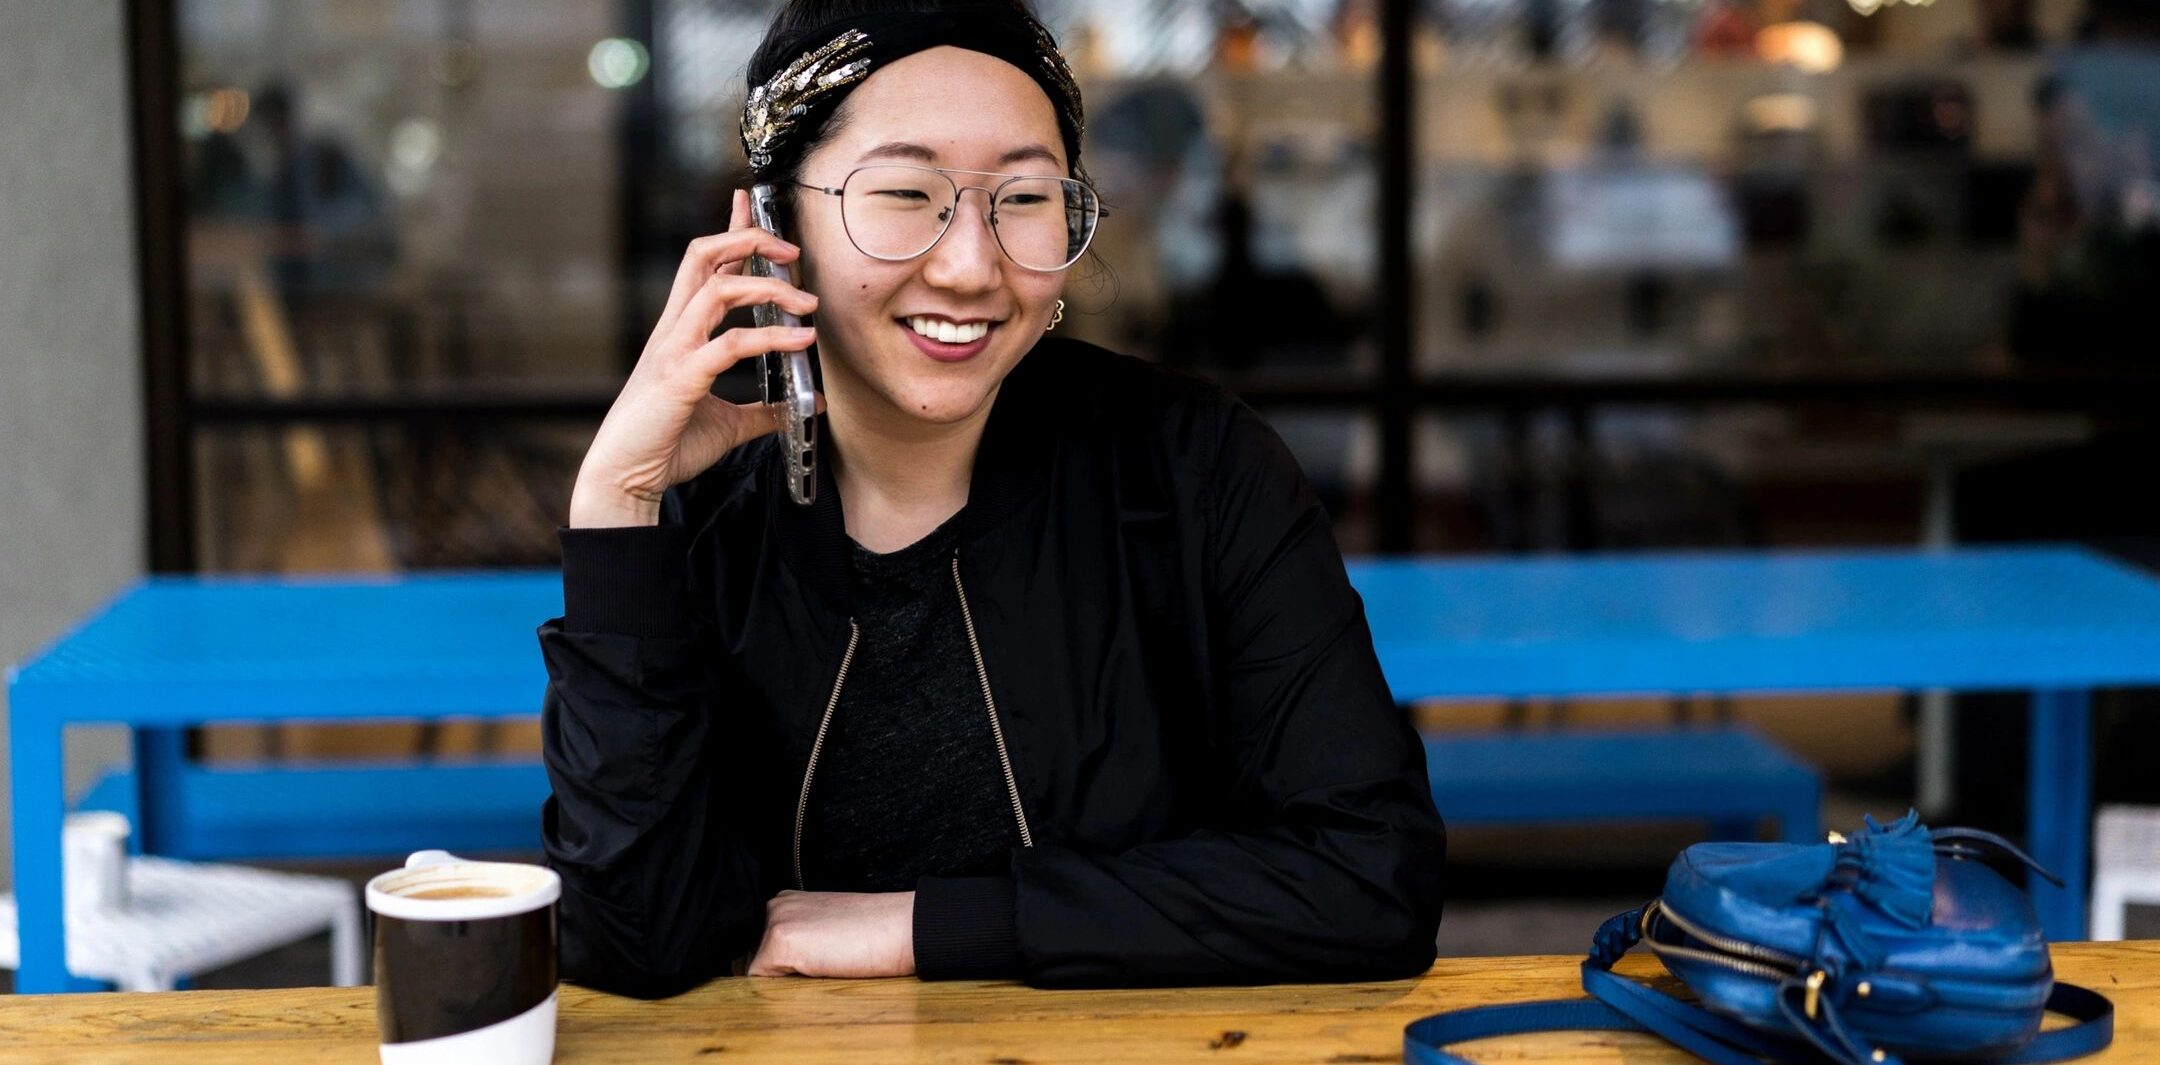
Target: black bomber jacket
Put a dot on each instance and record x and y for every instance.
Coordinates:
(1210, 779)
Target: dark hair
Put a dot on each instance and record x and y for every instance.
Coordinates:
(802, 25)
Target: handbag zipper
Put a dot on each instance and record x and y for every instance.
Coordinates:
(817, 746)
(1752, 957)
(997, 731)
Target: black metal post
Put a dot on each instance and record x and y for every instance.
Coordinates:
(1396, 504)
(637, 162)
(161, 262)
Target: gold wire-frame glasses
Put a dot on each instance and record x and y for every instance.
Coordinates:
(897, 211)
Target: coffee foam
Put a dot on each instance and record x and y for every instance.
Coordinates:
(511, 888)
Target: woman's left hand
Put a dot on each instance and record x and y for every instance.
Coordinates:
(837, 933)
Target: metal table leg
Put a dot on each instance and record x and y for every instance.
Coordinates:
(160, 769)
(40, 801)
(2059, 806)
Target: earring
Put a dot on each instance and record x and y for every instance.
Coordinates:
(1056, 317)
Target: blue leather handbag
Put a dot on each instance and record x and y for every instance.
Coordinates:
(1892, 944)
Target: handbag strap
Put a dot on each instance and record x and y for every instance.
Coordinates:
(1424, 1041)
(1618, 1004)
(2093, 1032)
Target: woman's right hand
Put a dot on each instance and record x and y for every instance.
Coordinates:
(666, 426)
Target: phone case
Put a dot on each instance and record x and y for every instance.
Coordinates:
(785, 381)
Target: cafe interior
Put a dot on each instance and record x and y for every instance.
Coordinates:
(1737, 416)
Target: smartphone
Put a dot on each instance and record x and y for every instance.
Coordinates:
(784, 377)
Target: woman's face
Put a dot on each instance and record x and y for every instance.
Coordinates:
(941, 107)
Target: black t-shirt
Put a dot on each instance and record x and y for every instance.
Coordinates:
(908, 783)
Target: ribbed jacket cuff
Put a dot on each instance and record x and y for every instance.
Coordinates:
(965, 928)
(631, 581)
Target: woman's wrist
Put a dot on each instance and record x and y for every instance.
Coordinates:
(595, 509)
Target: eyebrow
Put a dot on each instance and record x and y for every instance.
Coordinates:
(908, 150)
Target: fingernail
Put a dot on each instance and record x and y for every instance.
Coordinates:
(802, 331)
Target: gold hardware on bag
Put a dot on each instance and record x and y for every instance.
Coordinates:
(1837, 837)
(1814, 992)
(1865, 989)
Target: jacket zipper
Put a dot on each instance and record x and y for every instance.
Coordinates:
(997, 731)
(1739, 954)
(817, 746)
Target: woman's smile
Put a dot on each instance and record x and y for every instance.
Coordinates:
(945, 339)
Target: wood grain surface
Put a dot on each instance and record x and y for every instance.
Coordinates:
(835, 1021)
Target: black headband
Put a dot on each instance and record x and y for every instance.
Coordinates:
(789, 104)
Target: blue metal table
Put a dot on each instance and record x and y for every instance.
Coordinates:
(177, 651)
(2055, 621)
(172, 652)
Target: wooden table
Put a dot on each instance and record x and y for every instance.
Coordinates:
(828, 1021)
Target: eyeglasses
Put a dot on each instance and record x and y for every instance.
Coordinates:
(895, 212)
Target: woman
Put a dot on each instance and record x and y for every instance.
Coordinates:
(1058, 678)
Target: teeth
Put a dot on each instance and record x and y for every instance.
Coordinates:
(948, 332)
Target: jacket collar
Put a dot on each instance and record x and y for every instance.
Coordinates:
(1011, 465)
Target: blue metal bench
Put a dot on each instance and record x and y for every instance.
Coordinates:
(1729, 777)
(339, 810)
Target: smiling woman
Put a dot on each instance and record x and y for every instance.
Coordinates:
(1059, 677)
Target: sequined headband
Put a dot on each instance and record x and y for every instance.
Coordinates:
(789, 104)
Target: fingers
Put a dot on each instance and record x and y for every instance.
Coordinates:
(840, 934)
(722, 293)
(723, 253)
(772, 956)
(738, 218)
(767, 961)
(716, 355)
(765, 964)
(708, 255)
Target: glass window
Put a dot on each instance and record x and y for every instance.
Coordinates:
(408, 205)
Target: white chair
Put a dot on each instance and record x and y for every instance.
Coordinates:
(186, 918)
(2126, 865)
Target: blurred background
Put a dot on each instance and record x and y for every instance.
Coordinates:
(1509, 275)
